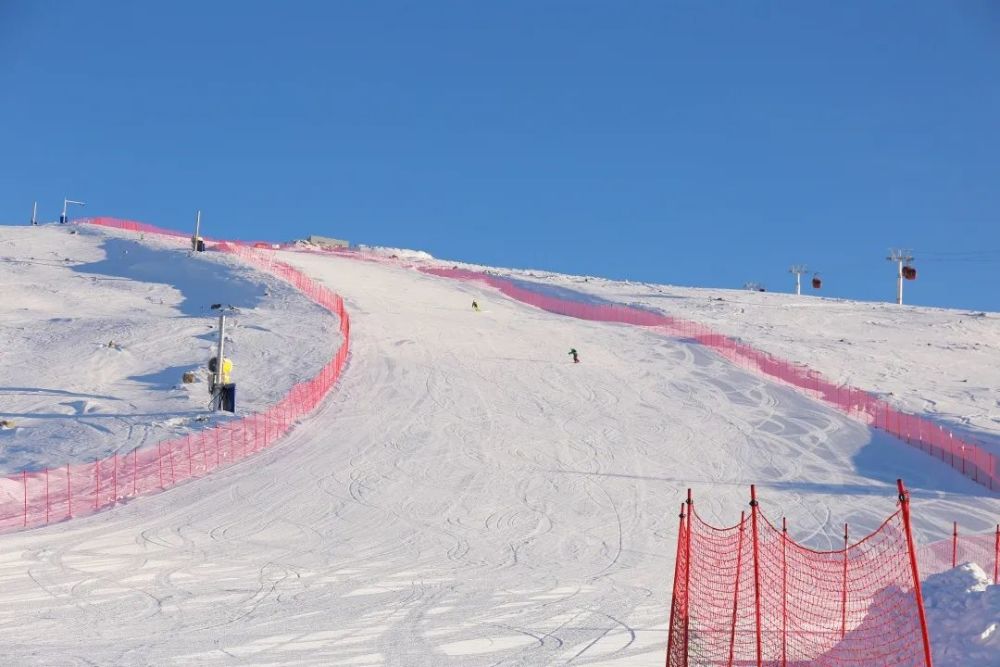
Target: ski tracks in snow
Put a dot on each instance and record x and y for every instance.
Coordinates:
(466, 497)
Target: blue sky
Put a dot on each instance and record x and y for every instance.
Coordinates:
(692, 143)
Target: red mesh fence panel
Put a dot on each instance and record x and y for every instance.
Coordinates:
(33, 498)
(145, 228)
(753, 596)
(983, 549)
(963, 454)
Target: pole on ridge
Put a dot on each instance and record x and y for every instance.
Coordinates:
(197, 231)
(904, 503)
(899, 256)
(756, 569)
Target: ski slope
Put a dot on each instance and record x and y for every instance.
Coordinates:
(467, 497)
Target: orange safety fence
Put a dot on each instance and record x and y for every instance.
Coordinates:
(749, 594)
(983, 549)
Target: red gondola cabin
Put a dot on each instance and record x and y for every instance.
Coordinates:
(909, 273)
(817, 283)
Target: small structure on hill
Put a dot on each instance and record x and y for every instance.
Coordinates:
(327, 242)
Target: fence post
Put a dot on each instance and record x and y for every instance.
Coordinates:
(756, 568)
(996, 557)
(736, 590)
(159, 461)
(784, 593)
(687, 575)
(904, 502)
(97, 482)
(69, 495)
(843, 592)
(24, 482)
(46, 495)
(135, 467)
(681, 539)
(173, 478)
(954, 543)
(993, 470)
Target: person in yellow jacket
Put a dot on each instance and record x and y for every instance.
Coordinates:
(227, 371)
(223, 393)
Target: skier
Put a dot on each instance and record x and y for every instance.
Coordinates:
(573, 353)
(475, 306)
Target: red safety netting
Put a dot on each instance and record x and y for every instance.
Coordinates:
(145, 228)
(33, 498)
(972, 459)
(748, 594)
(983, 549)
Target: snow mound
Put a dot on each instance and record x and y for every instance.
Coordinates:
(397, 253)
(963, 613)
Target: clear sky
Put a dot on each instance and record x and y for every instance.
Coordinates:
(692, 143)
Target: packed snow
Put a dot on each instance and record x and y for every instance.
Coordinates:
(394, 253)
(963, 612)
(468, 495)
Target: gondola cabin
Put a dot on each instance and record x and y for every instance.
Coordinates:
(817, 283)
(909, 273)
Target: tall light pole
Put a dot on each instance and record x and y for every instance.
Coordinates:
(219, 361)
(197, 231)
(899, 256)
(66, 202)
(798, 270)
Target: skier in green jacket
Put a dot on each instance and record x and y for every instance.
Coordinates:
(573, 353)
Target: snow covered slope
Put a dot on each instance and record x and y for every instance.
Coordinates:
(98, 327)
(939, 362)
(467, 497)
